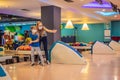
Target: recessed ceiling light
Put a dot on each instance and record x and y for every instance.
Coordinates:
(104, 10)
(81, 0)
(115, 16)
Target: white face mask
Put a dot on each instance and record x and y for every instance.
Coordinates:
(40, 27)
(34, 31)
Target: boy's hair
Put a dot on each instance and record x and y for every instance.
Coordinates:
(32, 27)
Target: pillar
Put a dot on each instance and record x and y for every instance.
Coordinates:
(51, 19)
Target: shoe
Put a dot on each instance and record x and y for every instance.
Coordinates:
(39, 62)
(42, 64)
(32, 64)
(48, 62)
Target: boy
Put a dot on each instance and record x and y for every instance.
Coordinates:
(35, 46)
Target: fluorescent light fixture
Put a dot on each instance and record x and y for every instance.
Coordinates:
(94, 4)
(85, 27)
(106, 13)
(69, 25)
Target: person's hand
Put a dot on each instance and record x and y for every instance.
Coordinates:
(54, 31)
(30, 42)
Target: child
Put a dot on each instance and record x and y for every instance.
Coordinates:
(35, 46)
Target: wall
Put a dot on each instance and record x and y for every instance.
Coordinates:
(96, 32)
(115, 28)
(66, 32)
(24, 26)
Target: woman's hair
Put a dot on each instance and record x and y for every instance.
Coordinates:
(37, 25)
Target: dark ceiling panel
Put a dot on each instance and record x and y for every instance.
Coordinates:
(14, 18)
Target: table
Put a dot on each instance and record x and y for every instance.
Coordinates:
(10, 52)
(4, 58)
(7, 56)
(27, 54)
(23, 52)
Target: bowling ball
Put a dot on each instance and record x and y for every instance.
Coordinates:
(28, 40)
(91, 43)
(27, 47)
(81, 44)
(20, 38)
(21, 48)
(77, 44)
(70, 44)
(74, 44)
(84, 45)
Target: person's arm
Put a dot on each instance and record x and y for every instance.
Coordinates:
(37, 40)
(50, 31)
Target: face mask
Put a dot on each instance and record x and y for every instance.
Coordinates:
(34, 31)
(40, 27)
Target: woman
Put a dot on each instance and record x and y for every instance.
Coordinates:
(35, 45)
(43, 37)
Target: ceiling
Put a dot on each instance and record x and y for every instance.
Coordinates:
(72, 11)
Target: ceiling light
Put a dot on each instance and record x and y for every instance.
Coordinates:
(81, 0)
(106, 13)
(85, 27)
(94, 4)
(69, 25)
(115, 16)
(104, 10)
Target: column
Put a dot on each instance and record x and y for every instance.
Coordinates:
(51, 18)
